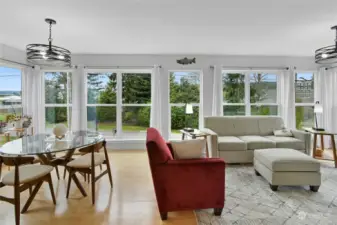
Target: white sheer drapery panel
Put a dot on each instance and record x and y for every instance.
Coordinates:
(78, 104)
(27, 87)
(286, 92)
(156, 119)
(217, 109)
(326, 95)
(32, 97)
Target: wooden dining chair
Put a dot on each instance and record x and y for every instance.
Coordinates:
(86, 164)
(22, 178)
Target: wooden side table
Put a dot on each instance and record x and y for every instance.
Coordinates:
(319, 153)
(194, 135)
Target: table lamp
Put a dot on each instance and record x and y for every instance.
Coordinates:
(188, 111)
(318, 109)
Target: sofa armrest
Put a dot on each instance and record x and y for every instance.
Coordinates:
(304, 136)
(212, 142)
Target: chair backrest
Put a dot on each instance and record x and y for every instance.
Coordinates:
(98, 146)
(12, 160)
(157, 149)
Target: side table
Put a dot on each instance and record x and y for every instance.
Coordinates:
(322, 134)
(194, 135)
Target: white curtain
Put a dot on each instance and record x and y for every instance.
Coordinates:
(78, 112)
(156, 120)
(286, 93)
(217, 109)
(326, 86)
(32, 97)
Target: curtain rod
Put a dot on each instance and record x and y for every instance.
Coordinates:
(328, 68)
(119, 67)
(255, 68)
(14, 62)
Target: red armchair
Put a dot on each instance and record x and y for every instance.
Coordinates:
(184, 184)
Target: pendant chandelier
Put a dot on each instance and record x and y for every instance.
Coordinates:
(327, 55)
(48, 55)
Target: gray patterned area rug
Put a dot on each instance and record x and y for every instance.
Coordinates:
(250, 201)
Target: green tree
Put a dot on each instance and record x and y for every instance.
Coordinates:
(56, 86)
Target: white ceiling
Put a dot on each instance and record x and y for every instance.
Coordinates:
(239, 27)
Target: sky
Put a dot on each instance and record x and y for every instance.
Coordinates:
(10, 79)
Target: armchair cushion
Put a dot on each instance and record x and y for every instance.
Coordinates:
(189, 149)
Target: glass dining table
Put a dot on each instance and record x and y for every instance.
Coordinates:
(45, 147)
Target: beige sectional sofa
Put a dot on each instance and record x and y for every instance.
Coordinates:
(234, 138)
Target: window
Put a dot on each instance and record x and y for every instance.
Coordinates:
(253, 93)
(184, 89)
(10, 92)
(57, 87)
(304, 99)
(119, 103)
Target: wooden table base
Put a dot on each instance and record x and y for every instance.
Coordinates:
(318, 153)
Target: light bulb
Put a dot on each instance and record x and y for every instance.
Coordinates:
(61, 57)
(324, 55)
(43, 53)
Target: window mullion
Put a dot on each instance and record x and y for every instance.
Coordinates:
(247, 94)
(119, 105)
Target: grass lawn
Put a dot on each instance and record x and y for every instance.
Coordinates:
(3, 139)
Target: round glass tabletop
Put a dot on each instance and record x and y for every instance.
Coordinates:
(46, 143)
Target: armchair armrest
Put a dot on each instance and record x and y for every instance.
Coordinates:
(212, 142)
(304, 136)
(191, 181)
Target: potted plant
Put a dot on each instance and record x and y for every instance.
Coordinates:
(3, 126)
(27, 121)
(18, 122)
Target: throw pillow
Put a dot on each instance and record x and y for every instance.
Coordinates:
(189, 149)
(283, 133)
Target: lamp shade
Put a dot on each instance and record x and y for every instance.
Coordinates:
(189, 109)
(318, 108)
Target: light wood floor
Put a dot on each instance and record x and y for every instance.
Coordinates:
(131, 201)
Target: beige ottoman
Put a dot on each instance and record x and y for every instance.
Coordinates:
(284, 166)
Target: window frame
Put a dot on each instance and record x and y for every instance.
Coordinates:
(246, 102)
(119, 98)
(11, 66)
(301, 104)
(194, 104)
(53, 105)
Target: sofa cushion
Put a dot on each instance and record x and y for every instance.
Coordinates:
(286, 160)
(268, 124)
(222, 125)
(231, 143)
(245, 126)
(257, 142)
(287, 142)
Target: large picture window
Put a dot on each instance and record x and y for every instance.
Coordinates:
(304, 99)
(184, 89)
(119, 103)
(10, 93)
(249, 93)
(57, 86)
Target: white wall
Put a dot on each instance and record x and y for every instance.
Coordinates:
(13, 54)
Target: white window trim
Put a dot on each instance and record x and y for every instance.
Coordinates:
(50, 105)
(314, 73)
(246, 100)
(194, 104)
(119, 105)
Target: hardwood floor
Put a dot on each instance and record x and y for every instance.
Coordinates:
(131, 202)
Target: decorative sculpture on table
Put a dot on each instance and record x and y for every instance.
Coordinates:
(27, 121)
(60, 130)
